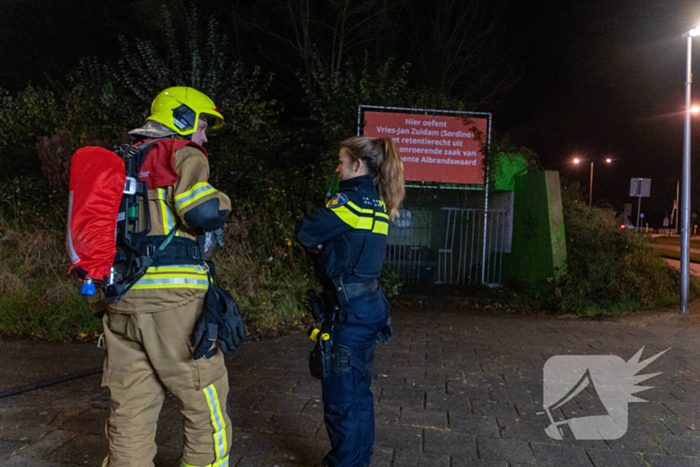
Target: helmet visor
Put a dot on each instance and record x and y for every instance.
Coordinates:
(214, 122)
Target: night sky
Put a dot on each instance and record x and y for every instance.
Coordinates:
(597, 79)
(605, 79)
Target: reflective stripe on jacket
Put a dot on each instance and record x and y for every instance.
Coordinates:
(353, 230)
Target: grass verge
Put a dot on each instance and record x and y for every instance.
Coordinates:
(37, 298)
(673, 254)
(675, 241)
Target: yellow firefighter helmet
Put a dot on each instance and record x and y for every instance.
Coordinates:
(180, 109)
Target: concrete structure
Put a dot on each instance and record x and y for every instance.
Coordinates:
(538, 255)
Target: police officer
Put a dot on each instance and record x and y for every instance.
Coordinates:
(348, 237)
(149, 331)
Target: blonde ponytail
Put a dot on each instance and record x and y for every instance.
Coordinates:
(384, 162)
(391, 185)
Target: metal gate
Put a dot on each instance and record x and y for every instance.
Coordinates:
(472, 254)
(408, 240)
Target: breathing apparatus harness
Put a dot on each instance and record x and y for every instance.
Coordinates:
(221, 320)
(136, 250)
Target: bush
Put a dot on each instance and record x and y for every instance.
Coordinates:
(268, 277)
(390, 282)
(610, 269)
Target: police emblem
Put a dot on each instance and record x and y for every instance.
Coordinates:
(338, 200)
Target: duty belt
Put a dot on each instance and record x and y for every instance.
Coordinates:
(346, 292)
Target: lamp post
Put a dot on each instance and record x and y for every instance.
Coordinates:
(590, 189)
(685, 192)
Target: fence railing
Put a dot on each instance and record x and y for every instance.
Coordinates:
(409, 237)
(469, 256)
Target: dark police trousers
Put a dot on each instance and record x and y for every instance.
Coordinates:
(348, 401)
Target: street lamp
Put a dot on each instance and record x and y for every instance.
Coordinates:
(590, 189)
(685, 194)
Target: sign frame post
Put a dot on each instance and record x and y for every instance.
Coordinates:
(485, 166)
(640, 188)
(639, 209)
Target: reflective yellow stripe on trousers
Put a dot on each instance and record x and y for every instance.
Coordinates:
(220, 463)
(217, 422)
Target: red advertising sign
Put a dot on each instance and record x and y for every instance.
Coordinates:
(433, 149)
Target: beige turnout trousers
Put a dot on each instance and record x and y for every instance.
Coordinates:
(148, 355)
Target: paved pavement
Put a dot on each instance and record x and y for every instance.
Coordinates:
(459, 387)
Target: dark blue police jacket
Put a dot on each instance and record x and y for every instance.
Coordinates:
(352, 229)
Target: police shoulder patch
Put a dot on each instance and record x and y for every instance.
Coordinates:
(338, 200)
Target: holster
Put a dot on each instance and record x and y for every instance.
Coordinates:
(320, 359)
(343, 359)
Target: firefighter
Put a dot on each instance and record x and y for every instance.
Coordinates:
(149, 332)
(348, 237)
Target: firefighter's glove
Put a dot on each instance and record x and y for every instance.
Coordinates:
(232, 332)
(204, 338)
(387, 332)
(221, 321)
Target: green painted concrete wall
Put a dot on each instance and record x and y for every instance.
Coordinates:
(538, 254)
(508, 166)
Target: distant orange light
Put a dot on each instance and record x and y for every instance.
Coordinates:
(622, 226)
(577, 160)
(695, 109)
(608, 160)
